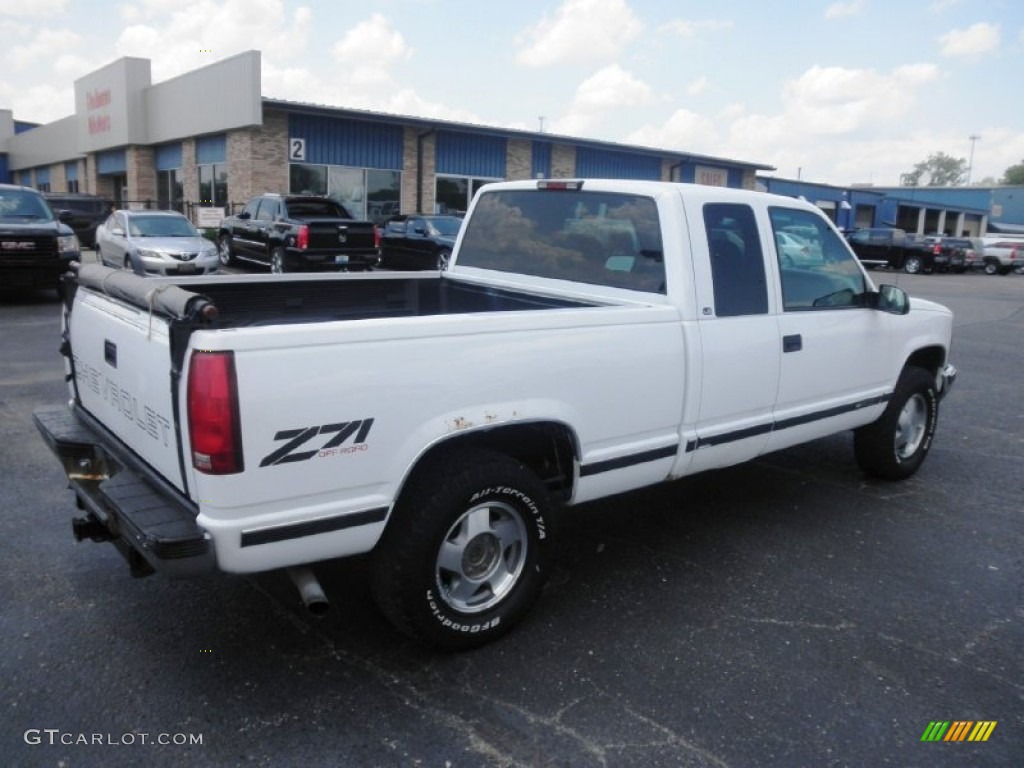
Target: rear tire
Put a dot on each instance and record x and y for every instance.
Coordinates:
(992, 267)
(278, 262)
(443, 257)
(466, 550)
(226, 251)
(895, 446)
(912, 265)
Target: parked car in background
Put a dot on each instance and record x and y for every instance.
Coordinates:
(895, 249)
(155, 243)
(1001, 254)
(792, 250)
(958, 254)
(419, 242)
(296, 233)
(36, 246)
(87, 213)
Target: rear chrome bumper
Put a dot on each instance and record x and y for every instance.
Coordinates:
(126, 503)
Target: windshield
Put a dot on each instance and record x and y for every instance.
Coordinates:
(161, 226)
(23, 205)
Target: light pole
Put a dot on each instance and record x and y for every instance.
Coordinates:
(970, 163)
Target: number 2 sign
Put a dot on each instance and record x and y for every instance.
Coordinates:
(296, 149)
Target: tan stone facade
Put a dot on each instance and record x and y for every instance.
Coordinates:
(410, 195)
(257, 158)
(519, 160)
(140, 175)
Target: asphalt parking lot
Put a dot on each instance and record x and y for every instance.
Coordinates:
(788, 612)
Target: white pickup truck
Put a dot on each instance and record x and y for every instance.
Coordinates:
(590, 337)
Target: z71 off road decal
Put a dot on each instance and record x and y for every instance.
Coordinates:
(334, 447)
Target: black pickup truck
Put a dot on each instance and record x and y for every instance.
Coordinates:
(295, 233)
(36, 246)
(895, 249)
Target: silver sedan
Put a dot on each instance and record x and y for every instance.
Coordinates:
(155, 243)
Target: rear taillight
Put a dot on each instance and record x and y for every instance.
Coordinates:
(1013, 254)
(302, 239)
(936, 249)
(376, 237)
(213, 422)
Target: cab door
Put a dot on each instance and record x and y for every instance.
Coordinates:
(740, 344)
(836, 363)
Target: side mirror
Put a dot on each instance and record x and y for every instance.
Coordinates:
(117, 232)
(892, 300)
(245, 215)
(65, 215)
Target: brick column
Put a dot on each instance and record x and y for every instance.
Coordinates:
(141, 174)
(519, 160)
(412, 173)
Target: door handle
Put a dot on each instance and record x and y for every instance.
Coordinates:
(792, 343)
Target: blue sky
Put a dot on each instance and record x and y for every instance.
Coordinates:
(854, 91)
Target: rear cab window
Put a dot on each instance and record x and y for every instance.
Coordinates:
(817, 269)
(609, 239)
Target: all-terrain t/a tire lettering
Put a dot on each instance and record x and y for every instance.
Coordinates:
(466, 552)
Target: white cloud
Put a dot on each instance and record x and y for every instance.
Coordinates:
(40, 48)
(842, 9)
(833, 121)
(684, 130)
(187, 34)
(368, 49)
(690, 29)
(32, 8)
(608, 89)
(976, 39)
(580, 31)
(374, 42)
(697, 87)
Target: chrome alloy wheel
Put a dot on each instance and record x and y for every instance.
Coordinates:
(911, 426)
(481, 558)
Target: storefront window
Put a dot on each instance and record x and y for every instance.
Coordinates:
(170, 191)
(454, 193)
(383, 195)
(347, 186)
(365, 193)
(307, 179)
(213, 185)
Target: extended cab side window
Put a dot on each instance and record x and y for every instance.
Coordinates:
(817, 268)
(737, 263)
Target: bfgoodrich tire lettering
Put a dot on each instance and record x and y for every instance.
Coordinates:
(895, 446)
(466, 552)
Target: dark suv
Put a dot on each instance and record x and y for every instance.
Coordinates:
(35, 246)
(87, 213)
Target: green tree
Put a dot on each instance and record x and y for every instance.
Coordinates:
(1014, 174)
(939, 170)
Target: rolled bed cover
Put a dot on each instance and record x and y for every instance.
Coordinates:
(160, 298)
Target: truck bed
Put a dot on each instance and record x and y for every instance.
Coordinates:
(318, 300)
(264, 300)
